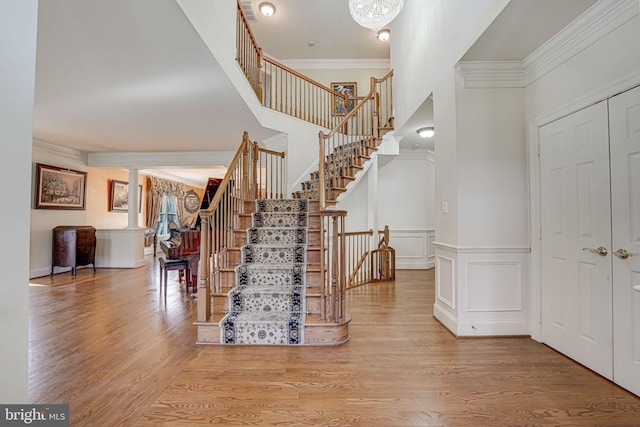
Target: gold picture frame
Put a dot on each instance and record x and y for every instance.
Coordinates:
(348, 88)
(119, 196)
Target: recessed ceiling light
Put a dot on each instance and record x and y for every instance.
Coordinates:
(267, 9)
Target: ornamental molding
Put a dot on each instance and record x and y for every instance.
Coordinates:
(594, 24)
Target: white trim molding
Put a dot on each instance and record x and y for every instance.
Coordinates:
(596, 22)
(157, 159)
(64, 152)
(491, 74)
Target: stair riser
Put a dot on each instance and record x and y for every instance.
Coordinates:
(240, 238)
(228, 279)
(221, 304)
(312, 206)
(315, 334)
(313, 256)
(341, 182)
(366, 150)
(246, 221)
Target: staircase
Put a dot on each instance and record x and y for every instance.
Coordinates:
(273, 271)
(268, 303)
(341, 167)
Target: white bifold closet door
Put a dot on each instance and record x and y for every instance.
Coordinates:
(624, 119)
(576, 238)
(590, 209)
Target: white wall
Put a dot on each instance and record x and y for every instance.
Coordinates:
(481, 215)
(18, 21)
(44, 220)
(406, 193)
(428, 40)
(429, 37)
(361, 76)
(356, 205)
(405, 197)
(492, 168)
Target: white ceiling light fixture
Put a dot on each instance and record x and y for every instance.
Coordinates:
(375, 14)
(427, 132)
(383, 35)
(267, 9)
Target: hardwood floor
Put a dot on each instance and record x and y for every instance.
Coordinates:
(109, 345)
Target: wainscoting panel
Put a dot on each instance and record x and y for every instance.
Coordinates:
(445, 309)
(482, 291)
(431, 249)
(494, 286)
(445, 278)
(414, 248)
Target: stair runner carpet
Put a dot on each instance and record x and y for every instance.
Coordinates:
(267, 304)
(337, 162)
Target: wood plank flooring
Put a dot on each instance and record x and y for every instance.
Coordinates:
(110, 346)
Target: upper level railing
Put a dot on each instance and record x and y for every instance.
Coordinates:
(281, 88)
(353, 135)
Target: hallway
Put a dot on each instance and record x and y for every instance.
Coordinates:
(108, 345)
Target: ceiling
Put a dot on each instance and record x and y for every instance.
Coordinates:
(134, 76)
(521, 27)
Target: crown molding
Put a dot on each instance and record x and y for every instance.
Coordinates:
(595, 23)
(491, 74)
(160, 159)
(57, 150)
(318, 64)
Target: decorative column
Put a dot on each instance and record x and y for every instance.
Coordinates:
(133, 198)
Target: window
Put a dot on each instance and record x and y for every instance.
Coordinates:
(167, 214)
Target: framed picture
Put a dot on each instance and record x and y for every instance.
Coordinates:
(60, 188)
(346, 88)
(119, 199)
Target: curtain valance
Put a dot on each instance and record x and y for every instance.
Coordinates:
(159, 187)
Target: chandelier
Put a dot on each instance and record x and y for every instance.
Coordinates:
(375, 14)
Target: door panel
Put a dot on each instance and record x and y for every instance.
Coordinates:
(625, 196)
(576, 220)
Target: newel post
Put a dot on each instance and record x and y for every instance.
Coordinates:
(204, 271)
(245, 165)
(254, 161)
(260, 90)
(321, 167)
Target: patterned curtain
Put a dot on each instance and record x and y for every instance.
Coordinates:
(157, 188)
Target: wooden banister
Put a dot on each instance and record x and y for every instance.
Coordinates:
(253, 172)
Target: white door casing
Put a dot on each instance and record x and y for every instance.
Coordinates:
(576, 222)
(625, 195)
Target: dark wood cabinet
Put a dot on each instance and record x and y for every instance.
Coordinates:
(73, 246)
